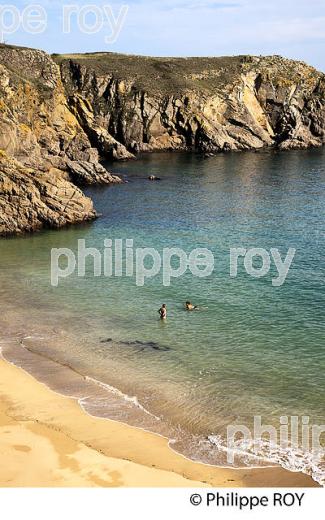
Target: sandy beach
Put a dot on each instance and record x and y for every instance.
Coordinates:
(47, 440)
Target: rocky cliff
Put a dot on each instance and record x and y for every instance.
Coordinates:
(60, 115)
(44, 152)
(128, 104)
(31, 198)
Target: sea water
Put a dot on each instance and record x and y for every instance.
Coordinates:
(251, 350)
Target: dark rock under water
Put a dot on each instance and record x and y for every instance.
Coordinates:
(142, 345)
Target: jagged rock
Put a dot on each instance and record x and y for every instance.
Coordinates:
(38, 128)
(60, 115)
(205, 104)
(83, 173)
(104, 142)
(31, 200)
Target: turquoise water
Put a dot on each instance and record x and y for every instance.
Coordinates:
(251, 350)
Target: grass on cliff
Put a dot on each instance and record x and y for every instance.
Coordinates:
(161, 75)
(171, 75)
(174, 75)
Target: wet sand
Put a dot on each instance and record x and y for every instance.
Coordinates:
(47, 440)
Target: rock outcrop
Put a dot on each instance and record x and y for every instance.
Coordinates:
(60, 115)
(31, 199)
(128, 104)
(44, 152)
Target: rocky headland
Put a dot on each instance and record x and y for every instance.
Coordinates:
(61, 115)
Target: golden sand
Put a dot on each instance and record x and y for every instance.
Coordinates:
(47, 440)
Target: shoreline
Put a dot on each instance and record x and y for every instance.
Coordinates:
(48, 440)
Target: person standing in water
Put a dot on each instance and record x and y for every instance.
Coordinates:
(163, 312)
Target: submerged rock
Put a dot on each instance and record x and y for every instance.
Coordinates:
(141, 345)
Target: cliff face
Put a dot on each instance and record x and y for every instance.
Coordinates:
(128, 104)
(59, 115)
(43, 150)
(30, 198)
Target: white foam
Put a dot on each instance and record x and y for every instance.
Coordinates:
(292, 459)
(133, 400)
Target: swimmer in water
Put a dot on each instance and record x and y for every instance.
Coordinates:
(163, 312)
(190, 307)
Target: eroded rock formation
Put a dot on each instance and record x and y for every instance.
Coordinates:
(60, 115)
(31, 199)
(128, 104)
(44, 152)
